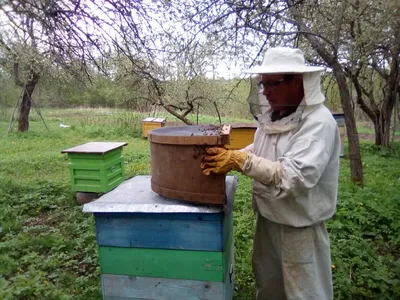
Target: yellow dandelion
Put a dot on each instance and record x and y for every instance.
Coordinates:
(333, 266)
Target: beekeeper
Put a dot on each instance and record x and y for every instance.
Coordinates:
(294, 163)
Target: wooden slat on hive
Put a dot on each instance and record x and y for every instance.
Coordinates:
(229, 281)
(95, 147)
(122, 287)
(134, 287)
(191, 231)
(177, 264)
(191, 135)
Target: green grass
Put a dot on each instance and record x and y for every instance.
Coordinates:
(368, 128)
(48, 246)
(365, 230)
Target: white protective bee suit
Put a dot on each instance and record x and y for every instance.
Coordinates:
(294, 163)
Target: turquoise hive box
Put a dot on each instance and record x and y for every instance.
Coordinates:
(151, 247)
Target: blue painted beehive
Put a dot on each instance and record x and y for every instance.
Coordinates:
(151, 247)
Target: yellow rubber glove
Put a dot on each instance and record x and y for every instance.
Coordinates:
(221, 160)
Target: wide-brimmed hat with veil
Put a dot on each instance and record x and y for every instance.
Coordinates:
(282, 60)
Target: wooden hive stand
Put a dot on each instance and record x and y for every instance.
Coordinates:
(152, 247)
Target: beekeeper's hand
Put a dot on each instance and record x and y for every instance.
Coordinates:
(221, 160)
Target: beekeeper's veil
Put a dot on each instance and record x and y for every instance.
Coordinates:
(282, 60)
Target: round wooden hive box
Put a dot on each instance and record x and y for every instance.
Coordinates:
(176, 153)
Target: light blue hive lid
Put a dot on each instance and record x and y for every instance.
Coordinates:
(135, 196)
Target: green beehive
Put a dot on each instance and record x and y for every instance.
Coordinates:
(96, 167)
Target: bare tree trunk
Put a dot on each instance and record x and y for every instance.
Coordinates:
(382, 129)
(391, 92)
(179, 116)
(398, 106)
(378, 132)
(356, 168)
(357, 176)
(395, 113)
(26, 103)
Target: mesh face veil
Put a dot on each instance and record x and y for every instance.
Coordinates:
(254, 98)
(261, 111)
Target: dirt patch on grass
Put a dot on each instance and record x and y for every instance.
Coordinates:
(47, 219)
(371, 137)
